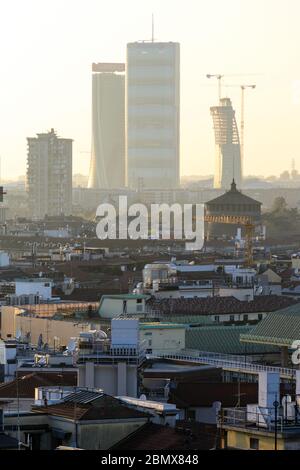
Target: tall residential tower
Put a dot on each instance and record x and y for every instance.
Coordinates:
(152, 115)
(228, 150)
(107, 168)
(49, 175)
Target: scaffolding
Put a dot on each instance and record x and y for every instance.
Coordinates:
(246, 222)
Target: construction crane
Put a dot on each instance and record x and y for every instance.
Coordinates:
(219, 77)
(246, 222)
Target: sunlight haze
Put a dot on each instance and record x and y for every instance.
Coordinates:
(47, 49)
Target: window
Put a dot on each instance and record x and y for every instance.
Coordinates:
(138, 301)
(231, 317)
(191, 414)
(254, 443)
(259, 316)
(217, 318)
(245, 317)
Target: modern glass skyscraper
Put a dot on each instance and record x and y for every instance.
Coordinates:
(152, 115)
(228, 151)
(107, 168)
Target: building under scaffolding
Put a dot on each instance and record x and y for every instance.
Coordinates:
(228, 151)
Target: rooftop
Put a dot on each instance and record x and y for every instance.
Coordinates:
(125, 296)
(27, 382)
(233, 196)
(217, 305)
(279, 328)
(161, 325)
(90, 406)
(223, 339)
(156, 437)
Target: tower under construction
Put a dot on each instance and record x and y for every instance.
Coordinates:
(228, 150)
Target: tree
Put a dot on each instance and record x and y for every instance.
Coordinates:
(279, 204)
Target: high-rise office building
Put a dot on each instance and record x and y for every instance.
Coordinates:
(152, 115)
(49, 175)
(107, 169)
(228, 150)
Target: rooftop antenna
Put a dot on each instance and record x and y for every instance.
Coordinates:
(233, 168)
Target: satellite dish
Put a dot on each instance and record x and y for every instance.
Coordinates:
(143, 397)
(71, 346)
(18, 335)
(101, 334)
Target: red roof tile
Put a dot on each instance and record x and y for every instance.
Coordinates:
(27, 382)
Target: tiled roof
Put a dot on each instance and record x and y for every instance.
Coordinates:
(218, 305)
(28, 382)
(222, 339)
(279, 328)
(157, 437)
(233, 196)
(104, 407)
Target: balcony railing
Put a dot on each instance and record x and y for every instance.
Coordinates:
(262, 418)
(116, 352)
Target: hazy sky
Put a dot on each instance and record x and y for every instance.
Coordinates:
(47, 48)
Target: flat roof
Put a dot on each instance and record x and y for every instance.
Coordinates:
(159, 325)
(124, 296)
(108, 67)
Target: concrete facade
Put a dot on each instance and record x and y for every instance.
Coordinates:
(118, 378)
(162, 337)
(114, 305)
(54, 332)
(49, 175)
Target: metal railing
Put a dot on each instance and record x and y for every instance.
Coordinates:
(229, 362)
(114, 353)
(262, 418)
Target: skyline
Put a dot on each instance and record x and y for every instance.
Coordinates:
(46, 79)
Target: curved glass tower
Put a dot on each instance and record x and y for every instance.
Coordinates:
(107, 169)
(228, 151)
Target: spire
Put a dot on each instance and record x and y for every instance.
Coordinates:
(233, 185)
